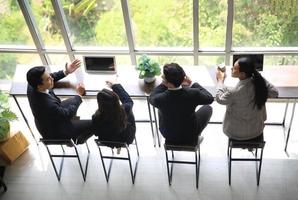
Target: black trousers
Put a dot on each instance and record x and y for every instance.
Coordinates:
(82, 129)
(203, 116)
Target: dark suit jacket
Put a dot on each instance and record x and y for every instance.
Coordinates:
(104, 129)
(177, 108)
(52, 117)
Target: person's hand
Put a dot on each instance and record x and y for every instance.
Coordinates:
(220, 76)
(186, 82)
(81, 89)
(70, 68)
(110, 83)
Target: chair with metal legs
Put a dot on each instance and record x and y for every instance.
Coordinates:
(111, 145)
(170, 163)
(68, 143)
(254, 144)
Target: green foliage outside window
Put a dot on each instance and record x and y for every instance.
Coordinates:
(155, 23)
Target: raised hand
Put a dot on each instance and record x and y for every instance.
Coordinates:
(70, 68)
(110, 83)
(186, 82)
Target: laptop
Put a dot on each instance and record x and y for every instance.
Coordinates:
(257, 59)
(100, 64)
(98, 69)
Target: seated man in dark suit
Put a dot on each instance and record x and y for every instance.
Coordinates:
(53, 117)
(176, 99)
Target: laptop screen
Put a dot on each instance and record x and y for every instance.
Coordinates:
(94, 64)
(257, 59)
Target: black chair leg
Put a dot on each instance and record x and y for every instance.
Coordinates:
(170, 163)
(260, 167)
(87, 161)
(79, 160)
(112, 158)
(197, 160)
(58, 174)
(137, 148)
(230, 163)
(252, 146)
(168, 170)
(132, 172)
(107, 174)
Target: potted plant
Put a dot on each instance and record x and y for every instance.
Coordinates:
(148, 69)
(6, 115)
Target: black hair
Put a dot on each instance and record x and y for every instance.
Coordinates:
(261, 91)
(174, 74)
(34, 76)
(109, 110)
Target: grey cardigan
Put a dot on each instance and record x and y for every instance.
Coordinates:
(242, 119)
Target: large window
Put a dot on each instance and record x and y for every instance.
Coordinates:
(166, 23)
(47, 24)
(267, 23)
(166, 30)
(212, 23)
(59, 59)
(9, 61)
(95, 23)
(211, 61)
(13, 28)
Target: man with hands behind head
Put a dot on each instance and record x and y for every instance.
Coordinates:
(53, 117)
(176, 99)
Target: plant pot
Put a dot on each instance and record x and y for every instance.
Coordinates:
(150, 79)
(4, 131)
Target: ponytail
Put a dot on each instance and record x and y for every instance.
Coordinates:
(261, 90)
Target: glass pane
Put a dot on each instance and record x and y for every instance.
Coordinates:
(59, 59)
(164, 23)
(162, 60)
(8, 62)
(95, 23)
(47, 24)
(12, 23)
(281, 70)
(212, 23)
(282, 61)
(211, 61)
(267, 23)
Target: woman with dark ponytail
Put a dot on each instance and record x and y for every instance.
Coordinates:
(245, 112)
(113, 121)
